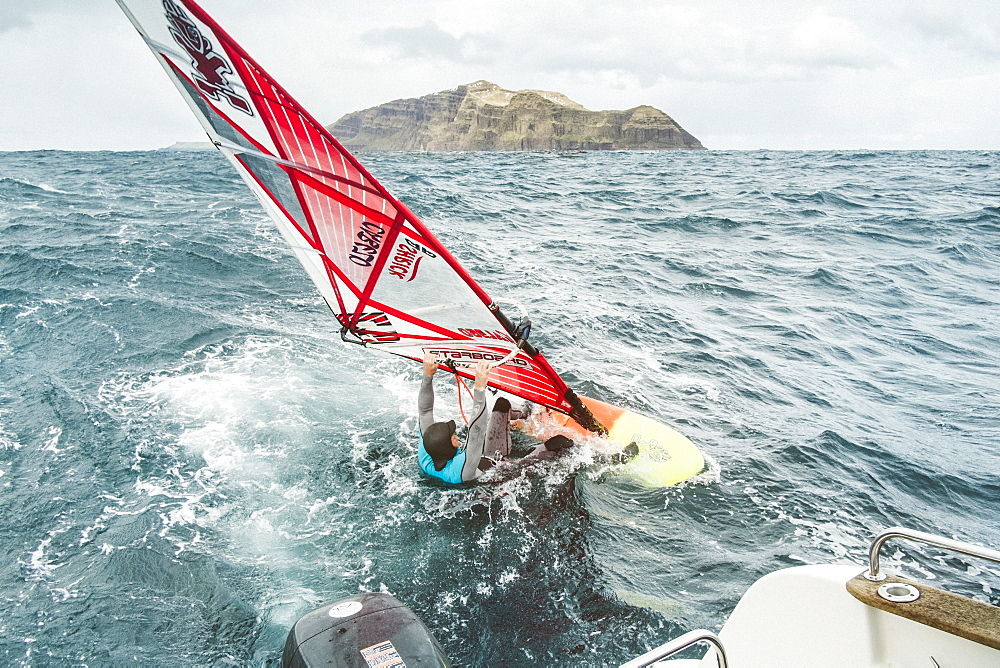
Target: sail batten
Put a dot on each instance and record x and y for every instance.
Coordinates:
(388, 280)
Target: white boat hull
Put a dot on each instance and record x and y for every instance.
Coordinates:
(804, 617)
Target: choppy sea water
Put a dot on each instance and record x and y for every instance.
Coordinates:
(190, 458)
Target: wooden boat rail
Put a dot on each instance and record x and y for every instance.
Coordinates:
(919, 602)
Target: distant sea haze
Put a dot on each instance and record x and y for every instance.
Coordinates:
(190, 458)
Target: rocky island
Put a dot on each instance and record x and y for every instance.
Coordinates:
(482, 116)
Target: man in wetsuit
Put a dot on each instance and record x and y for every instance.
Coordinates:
(440, 453)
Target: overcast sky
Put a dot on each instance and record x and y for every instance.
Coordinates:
(737, 75)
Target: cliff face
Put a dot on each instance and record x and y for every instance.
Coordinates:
(481, 116)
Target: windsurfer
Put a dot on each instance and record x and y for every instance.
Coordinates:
(440, 452)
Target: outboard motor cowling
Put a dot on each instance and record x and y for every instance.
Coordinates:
(361, 631)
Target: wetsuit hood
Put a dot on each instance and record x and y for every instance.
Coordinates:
(437, 443)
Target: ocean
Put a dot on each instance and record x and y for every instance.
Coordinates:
(190, 458)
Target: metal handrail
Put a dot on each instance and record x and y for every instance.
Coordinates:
(922, 537)
(676, 645)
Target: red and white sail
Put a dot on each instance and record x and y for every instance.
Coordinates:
(389, 282)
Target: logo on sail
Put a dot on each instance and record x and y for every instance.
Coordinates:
(369, 238)
(375, 327)
(481, 334)
(470, 357)
(407, 258)
(210, 69)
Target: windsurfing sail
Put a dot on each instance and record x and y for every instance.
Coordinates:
(389, 282)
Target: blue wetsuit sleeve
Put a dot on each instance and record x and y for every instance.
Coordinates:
(475, 444)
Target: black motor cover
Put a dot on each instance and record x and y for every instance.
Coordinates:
(361, 631)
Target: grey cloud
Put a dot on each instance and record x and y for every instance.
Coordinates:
(18, 14)
(714, 50)
(15, 15)
(429, 41)
(975, 37)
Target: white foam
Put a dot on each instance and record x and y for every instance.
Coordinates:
(231, 414)
(42, 186)
(54, 433)
(285, 606)
(8, 441)
(40, 565)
